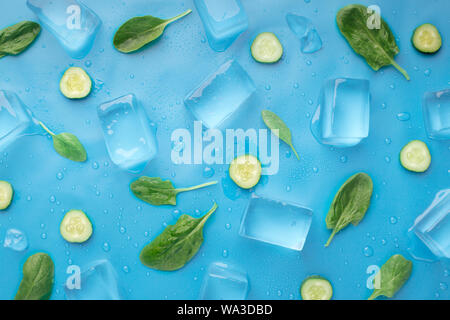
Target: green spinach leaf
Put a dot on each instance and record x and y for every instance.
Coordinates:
(38, 278)
(159, 192)
(392, 276)
(376, 45)
(67, 145)
(16, 38)
(350, 203)
(139, 31)
(177, 244)
(274, 122)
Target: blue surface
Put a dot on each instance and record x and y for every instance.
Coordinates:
(47, 185)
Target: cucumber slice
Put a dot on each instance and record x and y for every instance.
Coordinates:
(415, 156)
(76, 227)
(75, 83)
(316, 288)
(266, 48)
(426, 38)
(245, 171)
(6, 194)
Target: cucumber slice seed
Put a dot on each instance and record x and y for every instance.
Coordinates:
(76, 227)
(75, 83)
(6, 194)
(316, 288)
(245, 171)
(266, 48)
(426, 38)
(415, 156)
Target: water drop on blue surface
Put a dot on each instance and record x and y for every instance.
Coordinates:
(208, 172)
(403, 116)
(368, 251)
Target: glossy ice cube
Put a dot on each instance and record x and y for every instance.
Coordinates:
(129, 137)
(220, 94)
(71, 22)
(223, 20)
(15, 240)
(224, 283)
(15, 118)
(276, 222)
(433, 226)
(304, 30)
(436, 114)
(98, 282)
(342, 115)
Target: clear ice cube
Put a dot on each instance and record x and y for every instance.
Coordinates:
(436, 114)
(433, 225)
(15, 118)
(303, 28)
(72, 23)
(15, 240)
(223, 20)
(342, 115)
(129, 137)
(276, 222)
(220, 94)
(98, 282)
(223, 282)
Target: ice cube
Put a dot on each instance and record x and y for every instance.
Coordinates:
(433, 225)
(98, 282)
(223, 20)
(342, 115)
(276, 222)
(15, 118)
(129, 137)
(71, 22)
(220, 94)
(304, 29)
(224, 283)
(436, 114)
(15, 240)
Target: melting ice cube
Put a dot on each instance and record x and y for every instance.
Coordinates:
(15, 240)
(98, 282)
(276, 222)
(71, 22)
(433, 225)
(129, 138)
(223, 20)
(342, 115)
(15, 119)
(221, 94)
(304, 29)
(224, 283)
(436, 114)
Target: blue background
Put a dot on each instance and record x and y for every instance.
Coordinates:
(161, 76)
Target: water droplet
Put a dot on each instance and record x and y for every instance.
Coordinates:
(368, 251)
(43, 236)
(268, 87)
(387, 159)
(225, 253)
(288, 188)
(95, 165)
(208, 172)
(383, 105)
(59, 176)
(392, 86)
(393, 220)
(443, 286)
(427, 72)
(343, 159)
(296, 85)
(308, 62)
(106, 247)
(52, 199)
(228, 226)
(403, 116)
(315, 169)
(126, 269)
(122, 230)
(88, 63)
(388, 140)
